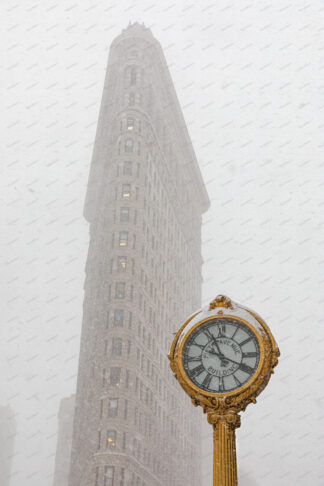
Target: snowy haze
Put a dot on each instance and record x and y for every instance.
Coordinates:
(249, 77)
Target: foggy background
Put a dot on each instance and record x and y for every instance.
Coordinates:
(249, 77)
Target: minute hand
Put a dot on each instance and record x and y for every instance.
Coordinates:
(220, 355)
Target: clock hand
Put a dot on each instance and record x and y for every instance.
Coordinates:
(216, 344)
(223, 357)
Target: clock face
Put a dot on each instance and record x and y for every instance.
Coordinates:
(221, 355)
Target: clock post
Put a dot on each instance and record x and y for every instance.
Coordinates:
(223, 357)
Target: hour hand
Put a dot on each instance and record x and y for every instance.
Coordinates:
(216, 344)
(223, 359)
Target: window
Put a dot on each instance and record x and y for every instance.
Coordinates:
(117, 346)
(133, 76)
(109, 476)
(123, 238)
(125, 409)
(118, 317)
(130, 124)
(126, 190)
(111, 439)
(121, 263)
(97, 476)
(129, 145)
(103, 377)
(124, 215)
(120, 290)
(127, 167)
(132, 99)
(115, 376)
(99, 440)
(113, 407)
(127, 379)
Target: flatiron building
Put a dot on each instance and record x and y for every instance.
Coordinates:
(133, 424)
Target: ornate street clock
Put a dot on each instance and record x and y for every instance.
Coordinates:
(223, 357)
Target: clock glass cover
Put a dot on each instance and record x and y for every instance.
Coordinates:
(221, 355)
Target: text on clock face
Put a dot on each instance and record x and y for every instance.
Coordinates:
(221, 355)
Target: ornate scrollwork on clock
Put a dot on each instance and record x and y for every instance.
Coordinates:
(223, 361)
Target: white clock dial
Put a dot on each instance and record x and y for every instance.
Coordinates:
(221, 355)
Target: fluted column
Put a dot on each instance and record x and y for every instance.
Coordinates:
(225, 468)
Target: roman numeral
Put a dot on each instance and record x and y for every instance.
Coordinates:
(221, 384)
(222, 330)
(207, 380)
(237, 328)
(208, 334)
(246, 341)
(196, 371)
(246, 368)
(250, 355)
(237, 381)
(194, 358)
(199, 345)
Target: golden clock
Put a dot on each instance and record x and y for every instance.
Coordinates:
(223, 357)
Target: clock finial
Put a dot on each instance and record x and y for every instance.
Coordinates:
(221, 301)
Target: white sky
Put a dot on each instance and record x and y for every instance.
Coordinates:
(249, 77)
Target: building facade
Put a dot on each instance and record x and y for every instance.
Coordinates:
(64, 442)
(133, 424)
(7, 441)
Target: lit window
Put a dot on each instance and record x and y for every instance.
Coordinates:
(127, 169)
(117, 346)
(130, 124)
(113, 407)
(111, 439)
(129, 144)
(120, 290)
(123, 238)
(124, 215)
(121, 263)
(115, 376)
(109, 476)
(126, 189)
(118, 317)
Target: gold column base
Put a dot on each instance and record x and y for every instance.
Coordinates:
(225, 467)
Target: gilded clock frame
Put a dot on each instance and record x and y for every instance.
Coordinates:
(217, 404)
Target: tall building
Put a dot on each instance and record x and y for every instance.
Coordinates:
(133, 425)
(64, 442)
(7, 440)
